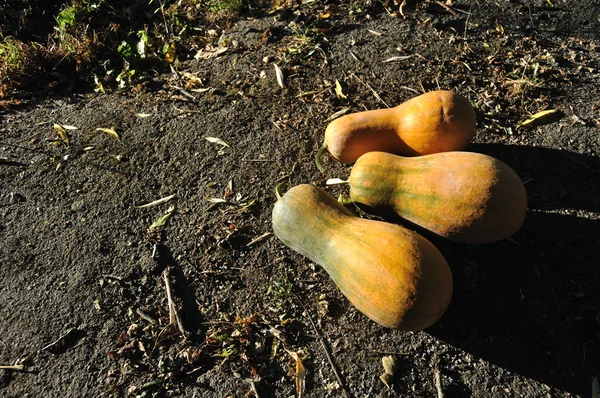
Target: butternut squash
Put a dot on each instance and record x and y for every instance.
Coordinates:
(392, 275)
(438, 121)
(465, 197)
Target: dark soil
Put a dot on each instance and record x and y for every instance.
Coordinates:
(82, 295)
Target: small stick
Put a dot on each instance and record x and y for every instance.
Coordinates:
(409, 89)
(582, 363)
(447, 8)
(157, 202)
(184, 92)
(55, 342)
(146, 317)
(9, 162)
(113, 277)
(186, 110)
(259, 239)
(555, 298)
(401, 8)
(338, 114)
(12, 367)
(355, 57)
(162, 11)
(438, 383)
(371, 88)
(337, 375)
(388, 352)
(467, 23)
(174, 318)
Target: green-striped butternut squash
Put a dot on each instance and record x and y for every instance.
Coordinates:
(465, 197)
(438, 121)
(389, 273)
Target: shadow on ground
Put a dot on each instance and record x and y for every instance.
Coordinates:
(531, 305)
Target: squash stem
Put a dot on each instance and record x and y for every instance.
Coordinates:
(319, 156)
(277, 190)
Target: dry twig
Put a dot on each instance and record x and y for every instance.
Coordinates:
(372, 90)
(61, 338)
(12, 367)
(9, 162)
(259, 239)
(184, 92)
(174, 317)
(445, 7)
(335, 371)
(438, 383)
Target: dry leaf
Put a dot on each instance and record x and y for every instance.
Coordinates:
(228, 190)
(67, 127)
(216, 140)
(216, 200)
(157, 202)
(335, 181)
(110, 132)
(62, 133)
(279, 74)
(162, 220)
(170, 53)
(210, 52)
(389, 364)
(193, 80)
(300, 374)
(389, 367)
(338, 90)
(398, 58)
(543, 117)
(499, 28)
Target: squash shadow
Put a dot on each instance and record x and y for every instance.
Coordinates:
(531, 304)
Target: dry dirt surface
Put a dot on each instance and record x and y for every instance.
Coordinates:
(83, 275)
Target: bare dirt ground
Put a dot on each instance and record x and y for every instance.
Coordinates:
(83, 300)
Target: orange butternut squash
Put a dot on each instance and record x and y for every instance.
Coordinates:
(465, 197)
(438, 121)
(392, 275)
